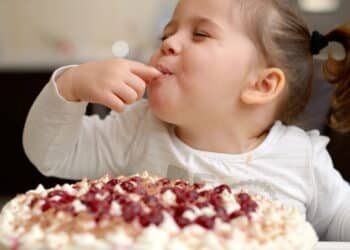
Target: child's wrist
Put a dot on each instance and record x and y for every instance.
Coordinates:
(65, 86)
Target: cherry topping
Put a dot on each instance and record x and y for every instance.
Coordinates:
(236, 214)
(113, 182)
(215, 199)
(128, 186)
(154, 217)
(130, 211)
(204, 193)
(109, 186)
(206, 222)
(192, 196)
(33, 202)
(48, 204)
(64, 196)
(136, 179)
(202, 204)
(140, 190)
(182, 222)
(163, 181)
(151, 201)
(122, 199)
(246, 203)
(179, 210)
(198, 185)
(181, 184)
(221, 213)
(98, 201)
(221, 188)
(243, 197)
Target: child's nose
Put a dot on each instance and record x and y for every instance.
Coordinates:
(170, 47)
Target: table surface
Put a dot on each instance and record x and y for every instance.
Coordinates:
(333, 246)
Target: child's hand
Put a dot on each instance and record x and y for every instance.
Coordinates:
(113, 83)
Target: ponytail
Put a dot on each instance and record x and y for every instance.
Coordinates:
(337, 72)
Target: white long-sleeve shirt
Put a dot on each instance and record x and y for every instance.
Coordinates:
(290, 165)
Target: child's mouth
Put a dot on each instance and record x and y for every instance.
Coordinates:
(164, 70)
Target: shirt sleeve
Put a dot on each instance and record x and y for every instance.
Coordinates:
(329, 210)
(61, 141)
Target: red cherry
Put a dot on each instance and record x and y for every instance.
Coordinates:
(181, 197)
(130, 211)
(128, 186)
(56, 193)
(179, 210)
(215, 199)
(202, 204)
(249, 206)
(109, 186)
(182, 222)
(204, 193)
(64, 196)
(236, 214)
(136, 179)
(113, 182)
(221, 188)
(151, 201)
(221, 213)
(122, 199)
(154, 217)
(243, 197)
(33, 202)
(198, 185)
(93, 189)
(191, 196)
(47, 205)
(163, 182)
(206, 222)
(140, 190)
(181, 184)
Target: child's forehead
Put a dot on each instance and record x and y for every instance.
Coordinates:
(215, 10)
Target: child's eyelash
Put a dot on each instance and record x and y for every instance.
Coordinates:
(201, 34)
(163, 38)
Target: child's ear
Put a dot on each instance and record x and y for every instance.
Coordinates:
(266, 88)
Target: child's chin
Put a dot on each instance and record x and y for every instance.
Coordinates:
(160, 110)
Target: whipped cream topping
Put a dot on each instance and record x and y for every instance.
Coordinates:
(119, 214)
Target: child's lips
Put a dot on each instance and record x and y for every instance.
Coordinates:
(166, 72)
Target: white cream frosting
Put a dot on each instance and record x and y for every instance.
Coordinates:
(272, 227)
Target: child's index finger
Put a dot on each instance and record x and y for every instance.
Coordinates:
(144, 71)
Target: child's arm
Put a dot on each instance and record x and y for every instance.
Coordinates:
(61, 141)
(329, 210)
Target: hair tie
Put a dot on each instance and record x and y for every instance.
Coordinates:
(318, 42)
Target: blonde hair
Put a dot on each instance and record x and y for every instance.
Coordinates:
(284, 41)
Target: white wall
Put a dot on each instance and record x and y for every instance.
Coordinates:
(38, 27)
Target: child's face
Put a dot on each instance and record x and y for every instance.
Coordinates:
(211, 60)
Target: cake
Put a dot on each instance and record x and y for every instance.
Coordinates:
(142, 212)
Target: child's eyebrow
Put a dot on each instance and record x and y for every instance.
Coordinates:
(196, 20)
(207, 21)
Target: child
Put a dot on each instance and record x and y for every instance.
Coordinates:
(227, 79)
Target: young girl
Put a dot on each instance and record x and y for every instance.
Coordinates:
(227, 79)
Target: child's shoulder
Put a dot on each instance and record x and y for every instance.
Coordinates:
(299, 137)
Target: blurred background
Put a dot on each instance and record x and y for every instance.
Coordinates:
(38, 36)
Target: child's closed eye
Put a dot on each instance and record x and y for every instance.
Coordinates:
(163, 38)
(201, 34)
(196, 34)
